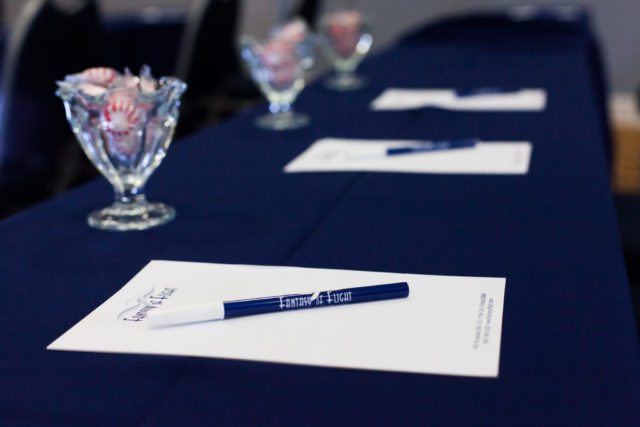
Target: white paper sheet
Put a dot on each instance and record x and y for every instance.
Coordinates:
(336, 155)
(407, 99)
(447, 325)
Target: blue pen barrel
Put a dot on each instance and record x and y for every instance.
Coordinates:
(315, 300)
(463, 93)
(433, 146)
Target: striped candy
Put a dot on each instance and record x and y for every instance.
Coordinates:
(344, 29)
(295, 31)
(102, 76)
(121, 118)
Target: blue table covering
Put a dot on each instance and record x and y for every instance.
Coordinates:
(569, 347)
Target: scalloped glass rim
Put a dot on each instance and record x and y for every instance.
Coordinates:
(165, 84)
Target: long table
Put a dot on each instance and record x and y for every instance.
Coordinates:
(569, 353)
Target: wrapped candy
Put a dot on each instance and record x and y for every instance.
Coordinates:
(127, 80)
(92, 89)
(147, 82)
(295, 31)
(96, 81)
(100, 76)
(121, 119)
(344, 29)
(280, 61)
(116, 97)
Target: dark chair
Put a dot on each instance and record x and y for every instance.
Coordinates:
(208, 49)
(209, 63)
(38, 155)
(309, 10)
(148, 36)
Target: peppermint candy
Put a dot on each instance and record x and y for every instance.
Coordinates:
(281, 62)
(121, 119)
(344, 30)
(101, 76)
(96, 81)
(295, 31)
(114, 100)
(147, 82)
(92, 89)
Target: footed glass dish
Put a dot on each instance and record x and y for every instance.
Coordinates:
(125, 125)
(277, 67)
(346, 39)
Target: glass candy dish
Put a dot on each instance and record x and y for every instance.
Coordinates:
(276, 66)
(346, 39)
(297, 31)
(125, 125)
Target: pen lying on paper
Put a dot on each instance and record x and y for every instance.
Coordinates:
(433, 146)
(219, 310)
(465, 93)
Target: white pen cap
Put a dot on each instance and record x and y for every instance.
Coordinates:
(186, 314)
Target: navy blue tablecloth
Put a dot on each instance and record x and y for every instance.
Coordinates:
(569, 348)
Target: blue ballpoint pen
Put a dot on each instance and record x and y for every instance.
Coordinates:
(433, 146)
(465, 93)
(219, 310)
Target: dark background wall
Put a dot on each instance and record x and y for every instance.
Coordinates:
(616, 22)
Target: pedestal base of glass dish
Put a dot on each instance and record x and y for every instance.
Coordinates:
(131, 216)
(282, 121)
(345, 81)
